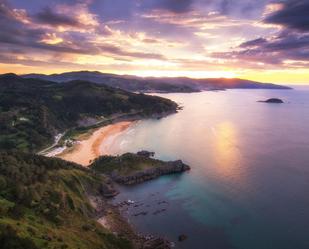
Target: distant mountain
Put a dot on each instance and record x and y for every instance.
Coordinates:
(32, 111)
(153, 84)
(128, 83)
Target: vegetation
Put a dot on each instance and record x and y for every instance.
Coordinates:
(43, 204)
(32, 111)
(44, 201)
(125, 164)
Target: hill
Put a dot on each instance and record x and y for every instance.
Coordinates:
(128, 83)
(152, 84)
(33, 111)
(44, 203)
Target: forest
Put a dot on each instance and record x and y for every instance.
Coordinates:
(33, 111)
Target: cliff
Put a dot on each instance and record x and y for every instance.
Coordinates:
(130, 168)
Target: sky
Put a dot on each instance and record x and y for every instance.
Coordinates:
(262, 40)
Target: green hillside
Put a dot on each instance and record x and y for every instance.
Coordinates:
(44, 204)
(33, 111)
(125, 164)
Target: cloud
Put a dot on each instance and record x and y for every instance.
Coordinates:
(288, 47)
(253, 43)
(68, 17)
(274, 52)
(48, 16)
(135, 54)
(32, 34)
(292, 14)
(176, 6)
(167, 34)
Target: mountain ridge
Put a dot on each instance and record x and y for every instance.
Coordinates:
(157, 84)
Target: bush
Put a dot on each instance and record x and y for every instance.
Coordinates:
(10, 240)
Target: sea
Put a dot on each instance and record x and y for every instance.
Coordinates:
(248, 187)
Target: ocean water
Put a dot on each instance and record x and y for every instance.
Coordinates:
(249, 182)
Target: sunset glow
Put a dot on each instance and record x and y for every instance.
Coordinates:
(257, 40)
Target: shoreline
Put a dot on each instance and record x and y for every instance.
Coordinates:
(88, 138)
(87, 148)
(83, 133)
(111, 217)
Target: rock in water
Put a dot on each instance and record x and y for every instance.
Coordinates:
(182, 237)
(157, 243)
(273, 100)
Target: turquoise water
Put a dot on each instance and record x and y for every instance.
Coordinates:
(250, 171)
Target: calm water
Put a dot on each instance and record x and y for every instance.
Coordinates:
(248, 187)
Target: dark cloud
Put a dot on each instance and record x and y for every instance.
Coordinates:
(291, 46)
(176, 6)
(291, 43)
(13, 31)
(294, 14)
(15, 34)
(48, 16)
(240, 8)
(225, 6)
(253, 43)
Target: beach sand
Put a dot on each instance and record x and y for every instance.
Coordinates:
(86, 150)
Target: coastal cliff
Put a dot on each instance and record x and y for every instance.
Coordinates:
(130, 169)
(50, 203)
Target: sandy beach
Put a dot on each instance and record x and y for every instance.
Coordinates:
(86, 150)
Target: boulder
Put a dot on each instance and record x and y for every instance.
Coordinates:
(108, 190)
(182, 237)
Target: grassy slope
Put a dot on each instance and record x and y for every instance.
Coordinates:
(45, 202)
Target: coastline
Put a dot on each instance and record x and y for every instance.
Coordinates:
(87, 148)
(111, 217)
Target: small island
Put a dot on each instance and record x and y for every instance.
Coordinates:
(272, 101)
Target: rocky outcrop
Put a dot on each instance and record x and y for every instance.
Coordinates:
(156, 243)
(171, 167)
(182, 237)
(108, 190)
(273, 101)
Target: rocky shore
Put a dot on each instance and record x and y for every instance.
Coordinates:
(130, 169)
(110, 217)
(171, 167)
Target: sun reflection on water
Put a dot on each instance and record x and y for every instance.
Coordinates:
(226, 150)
